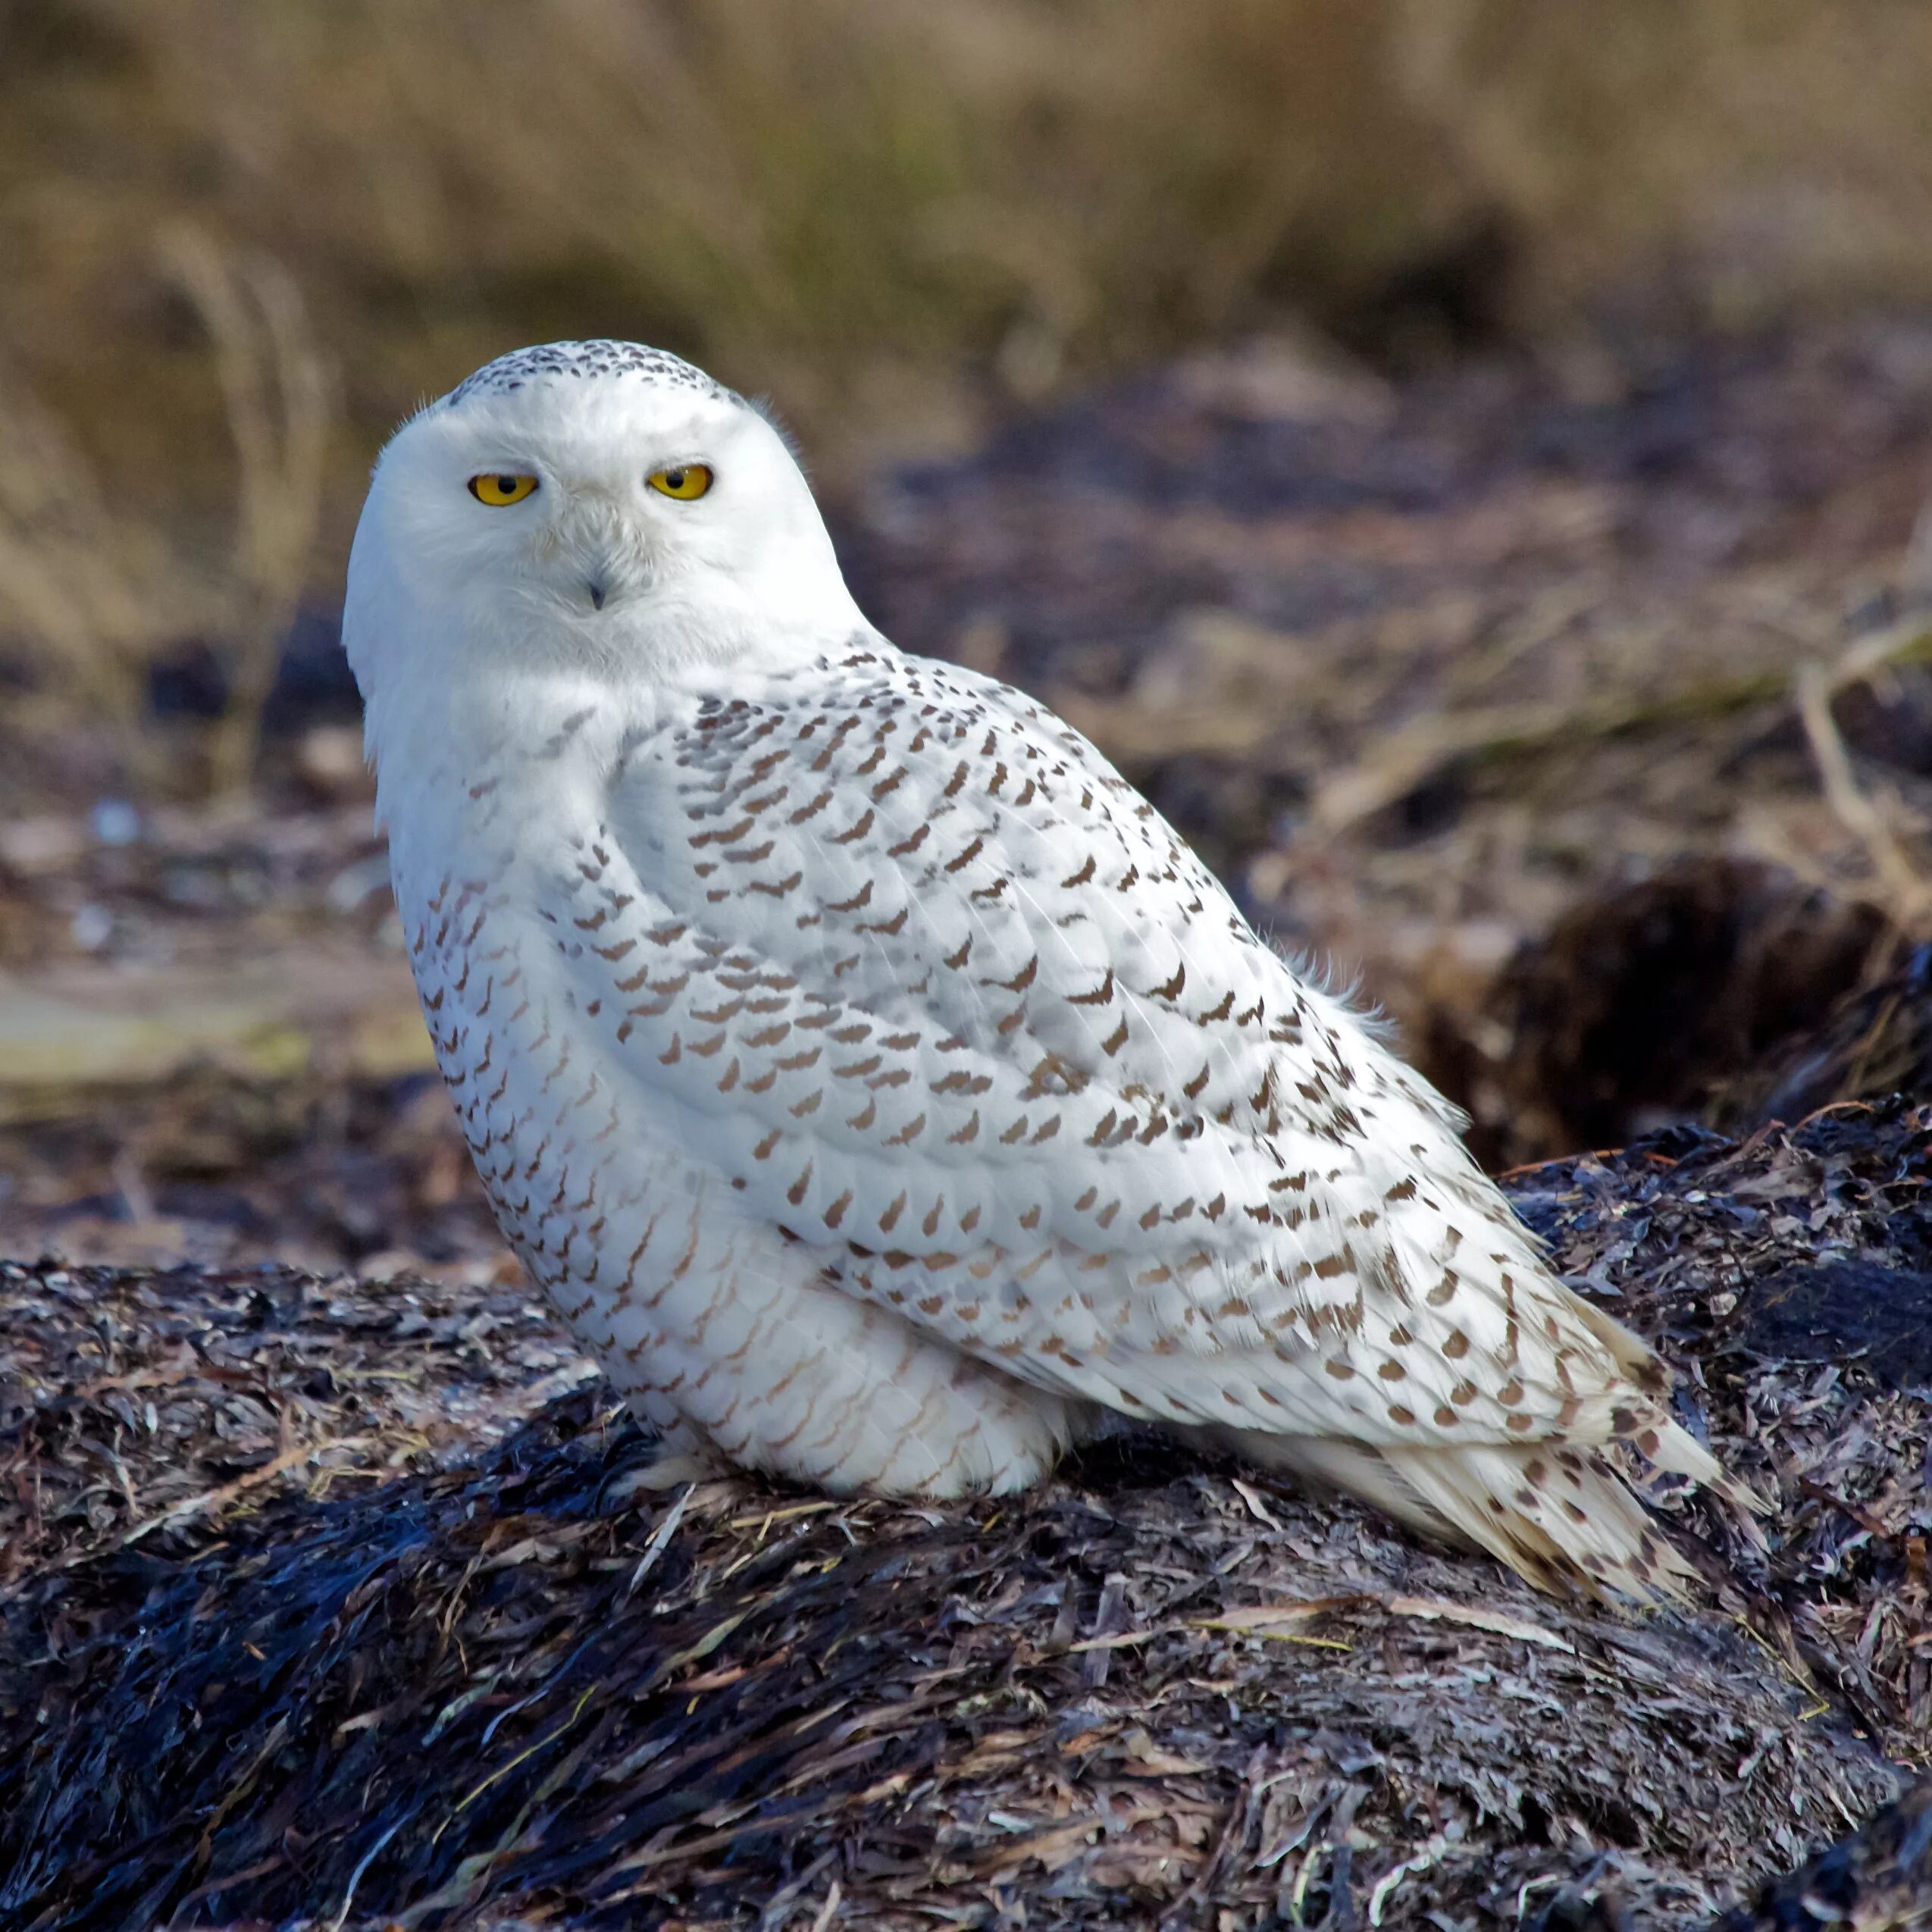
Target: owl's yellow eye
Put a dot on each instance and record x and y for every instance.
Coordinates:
(498, 490)
(682, 480)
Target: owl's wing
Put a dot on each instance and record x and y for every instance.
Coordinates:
(949, 1004)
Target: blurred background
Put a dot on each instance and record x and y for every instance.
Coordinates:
(1466, 458)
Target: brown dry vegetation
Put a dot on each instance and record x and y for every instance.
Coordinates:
(890, 215)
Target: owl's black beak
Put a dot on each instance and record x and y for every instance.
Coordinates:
(597, 591)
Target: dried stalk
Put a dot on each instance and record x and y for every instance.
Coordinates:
(1905, 890)
(277, 397)
(1414, 753)
(1417, 751)
(94, 593)
(100, 594)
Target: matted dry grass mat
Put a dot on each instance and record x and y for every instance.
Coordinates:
(334, 1611)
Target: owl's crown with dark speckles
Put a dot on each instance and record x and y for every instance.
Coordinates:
(552, 360)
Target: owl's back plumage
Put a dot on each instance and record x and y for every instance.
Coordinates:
(886, 1093)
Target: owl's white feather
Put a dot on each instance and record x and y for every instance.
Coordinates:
(880, 1086)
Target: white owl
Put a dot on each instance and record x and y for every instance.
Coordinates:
(877, 1086)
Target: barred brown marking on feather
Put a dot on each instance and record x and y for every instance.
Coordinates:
(1100, 996)
(724, 835)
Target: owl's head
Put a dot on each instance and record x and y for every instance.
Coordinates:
(598, 506)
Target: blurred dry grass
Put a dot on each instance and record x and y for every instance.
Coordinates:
(886, 213)
(871, 198)
(96, 591)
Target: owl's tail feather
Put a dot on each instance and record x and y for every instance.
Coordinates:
(1559, 1516)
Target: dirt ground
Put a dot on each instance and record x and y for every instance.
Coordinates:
(1576, 707)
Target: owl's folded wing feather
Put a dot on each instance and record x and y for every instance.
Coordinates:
(951, 1005)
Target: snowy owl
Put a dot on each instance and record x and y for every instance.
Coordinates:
(877, 1086)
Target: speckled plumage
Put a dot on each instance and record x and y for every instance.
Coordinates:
(582, 361)
(881, 1088)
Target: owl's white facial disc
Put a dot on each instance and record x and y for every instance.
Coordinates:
(594, 570)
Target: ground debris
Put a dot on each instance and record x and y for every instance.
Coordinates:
(1878, 1879)
(1739, 1260)
(131, 1401)
(479, 1663)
